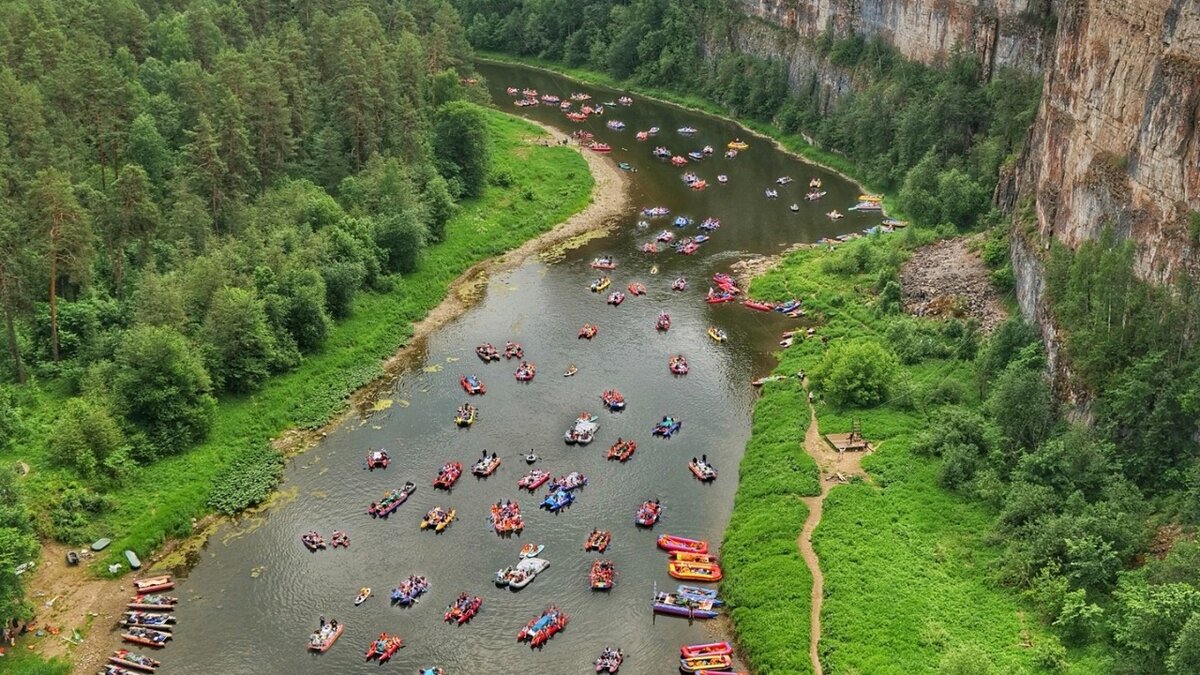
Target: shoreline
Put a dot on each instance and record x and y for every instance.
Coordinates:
(87, 599)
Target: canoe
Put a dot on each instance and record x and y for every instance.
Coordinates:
(154, 584)
(362, 596)
(134, 562)
(128, 659)
(101, 544)
(146, 636)
(670, 542)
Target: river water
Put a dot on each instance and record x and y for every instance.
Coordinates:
(250, 603)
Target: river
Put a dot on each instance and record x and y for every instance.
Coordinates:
(256, 593)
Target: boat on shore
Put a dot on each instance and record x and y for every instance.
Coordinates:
(694, 571)
(127, 659)
(705, 664)
(149, 637)
(672, 543)
(148, 620)
(154, 584)
(673, 603)
(155, 602)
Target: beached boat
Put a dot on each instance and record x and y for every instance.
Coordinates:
(155, 620)
(410, 590)
(667, 427)
(557, 501)
(698, 593)
(672, 543)
(622, 450)
(542, 628)
(472, 385)
(694, 571)
(602, 576)
(391, 501)
(448, 475)
(463, 609)
(714, 297)
(599, 147)
(705, 664)
(127, 659)
(758, 382)
(673, 603)
(613, 399)
(146, 636)
(598, 541)
(702, 470)
(648, 513)
(465, 416)
(437, 519)
(378, 459)
(159, 603)
(324, 637)
(534, 479)
(154, 584)
(760, 305)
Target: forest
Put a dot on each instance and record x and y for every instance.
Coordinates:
(193, 195)
(1089, 477)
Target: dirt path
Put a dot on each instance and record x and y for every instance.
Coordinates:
(835, 467)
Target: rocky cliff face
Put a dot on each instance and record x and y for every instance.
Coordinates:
(1116, 141)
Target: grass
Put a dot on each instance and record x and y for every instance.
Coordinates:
(907, 564)
(792, 142)
(548, 185)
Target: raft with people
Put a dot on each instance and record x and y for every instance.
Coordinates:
(506, 517)
(648, 513)
(605, 262)
(391, 501)
(324, 637)
(737, 144)
(678, 365)
(679, 160)
(598, 541)
(513, 350)
(313, 541)
(666, 237)
(622, 450)
(486, 352)
(588, 331)
(600, 283)
(543, 627)
(613, 399)
(610, 660)
(717, 334)
(534, 479)
(702, 469)
(655, 212)
(525, 372)
(715, 298)
(679, 284)
(363, 594)
(437, 519)
(615, 298)
(637, 288)
(522, 574)
(532, 550)
(448, 475)
(582, 431)
(486, 465)
(663, 322)
(557, 501)
(339, 539)
(465, 415)
(378, 459)
(383, 647)
(682, 221)
(410, 590)
(649, 247)
(667, 427)
(472, 385)
(463, 609)
(710, 224)
(602, 576)
(569, 482)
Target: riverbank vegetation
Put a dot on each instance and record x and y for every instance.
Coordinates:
(933, 137)
(215, 225)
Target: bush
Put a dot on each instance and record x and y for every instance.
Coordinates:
(162, 389)
(402, 238)
(856, 373)
(238, 345)
(74, 513)
(247, 480)
(85, 436)
(1022, 405)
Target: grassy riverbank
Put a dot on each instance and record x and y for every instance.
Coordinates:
(543, 186)
(907, 565)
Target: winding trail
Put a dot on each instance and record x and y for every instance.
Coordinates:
(834, 467)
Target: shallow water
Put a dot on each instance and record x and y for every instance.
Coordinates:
(251, 602)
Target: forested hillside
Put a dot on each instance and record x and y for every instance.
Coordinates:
(191, 195)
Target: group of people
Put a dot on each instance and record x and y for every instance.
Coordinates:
(324, 631)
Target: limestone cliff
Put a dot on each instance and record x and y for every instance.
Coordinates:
(1117, 137)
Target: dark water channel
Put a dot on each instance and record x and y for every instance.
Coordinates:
(250, 603)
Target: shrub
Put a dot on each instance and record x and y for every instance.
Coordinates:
(74, 512)
(402, 238)
(247, 480)
(856, 373)
(85, 436)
